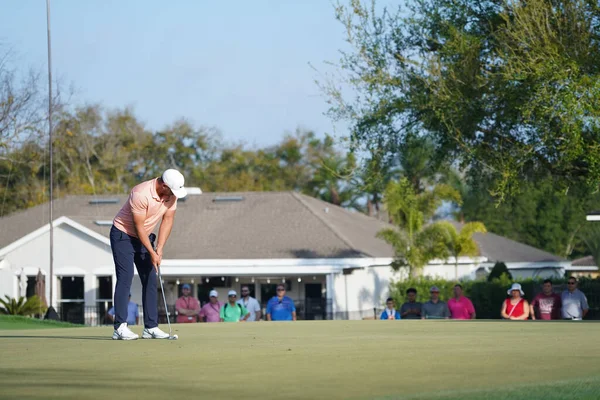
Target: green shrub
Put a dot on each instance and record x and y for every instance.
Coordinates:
(22, 306)
(498, 270)
(487, 296)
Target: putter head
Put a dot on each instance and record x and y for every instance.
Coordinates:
(174, 337)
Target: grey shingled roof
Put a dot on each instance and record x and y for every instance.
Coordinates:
(498, 248)
(584, 262)
(263, 225)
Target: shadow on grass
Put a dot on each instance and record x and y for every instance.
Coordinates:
(54, 337)
(76, 384)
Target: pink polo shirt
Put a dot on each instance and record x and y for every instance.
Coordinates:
(461, 308)
(211, 311)
(143, 200)
(187, 303)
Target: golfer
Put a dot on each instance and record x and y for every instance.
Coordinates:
(149, 202)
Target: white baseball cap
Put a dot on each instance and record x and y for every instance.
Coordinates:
(213, 293)
(232, 293)
(175, 180)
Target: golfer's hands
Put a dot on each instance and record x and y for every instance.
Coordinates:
(156, 259)
(159, 251)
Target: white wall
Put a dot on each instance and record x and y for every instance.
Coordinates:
(74, 254)
(535, 273)
(449, 271)
(356, 294)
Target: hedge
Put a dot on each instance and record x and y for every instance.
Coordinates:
(487, 297)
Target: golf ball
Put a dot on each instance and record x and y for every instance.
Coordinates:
(176, 337)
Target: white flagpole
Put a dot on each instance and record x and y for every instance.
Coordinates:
(51, 280)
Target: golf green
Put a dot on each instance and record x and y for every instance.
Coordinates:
(309, 360)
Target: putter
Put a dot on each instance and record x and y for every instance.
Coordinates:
(171, 336)
(162, 289)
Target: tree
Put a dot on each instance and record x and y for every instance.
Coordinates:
(591, 237)
(500, 86)
(539, 214)
(461, 243)
(415, 240)
(498, 271)
(22, 306)
(21, 107)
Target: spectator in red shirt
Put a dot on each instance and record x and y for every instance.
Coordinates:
(187, 306)
(547, 303)
(516, 306)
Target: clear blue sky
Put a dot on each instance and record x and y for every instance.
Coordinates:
(240, 66)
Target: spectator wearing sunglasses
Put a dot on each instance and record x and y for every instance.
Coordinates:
(574, 303)
(233, 311)
(281, 307)
(251, 304)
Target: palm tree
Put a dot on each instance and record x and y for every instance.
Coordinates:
(330, 181)
(461, 243)
(591, 237)
(415, 242)
(22, 306)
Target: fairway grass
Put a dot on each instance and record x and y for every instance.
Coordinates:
(309, 360)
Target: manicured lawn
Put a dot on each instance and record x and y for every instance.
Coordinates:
(17, 322)
(309, 360)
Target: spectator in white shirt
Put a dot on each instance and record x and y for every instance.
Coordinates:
(251, 304)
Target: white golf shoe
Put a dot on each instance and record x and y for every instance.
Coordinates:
(124, 333)
(154, 333)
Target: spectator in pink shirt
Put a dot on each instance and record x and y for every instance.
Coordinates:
(211, 312)
(460, 307)
(187, 306)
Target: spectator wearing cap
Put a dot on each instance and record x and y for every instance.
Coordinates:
(133, 313)
(412, 308)
(435, 308)
(251, 304)
(460, 306)
(390, 312)
(187, 306)
(211, 312)
(516, 307)
(574, 303)
(281, 307)
(233, 311)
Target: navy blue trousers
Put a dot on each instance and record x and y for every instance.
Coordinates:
(128, 250)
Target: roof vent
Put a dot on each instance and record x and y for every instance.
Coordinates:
(103, 222)
(225, 199)
(104, 201)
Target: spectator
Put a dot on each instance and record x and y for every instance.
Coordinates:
(515, 307)
(133, 313)
(233, 311)
(546, 303)
(211, 312)
(435, 308)
(251, 305)
(281, 307)
(390, 311)
(460, 307)
(412, 308)
(574, 302)
(187, 306)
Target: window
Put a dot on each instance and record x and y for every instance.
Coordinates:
(104, 298)
(105, 288)
(71, 299)
(30, 286)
